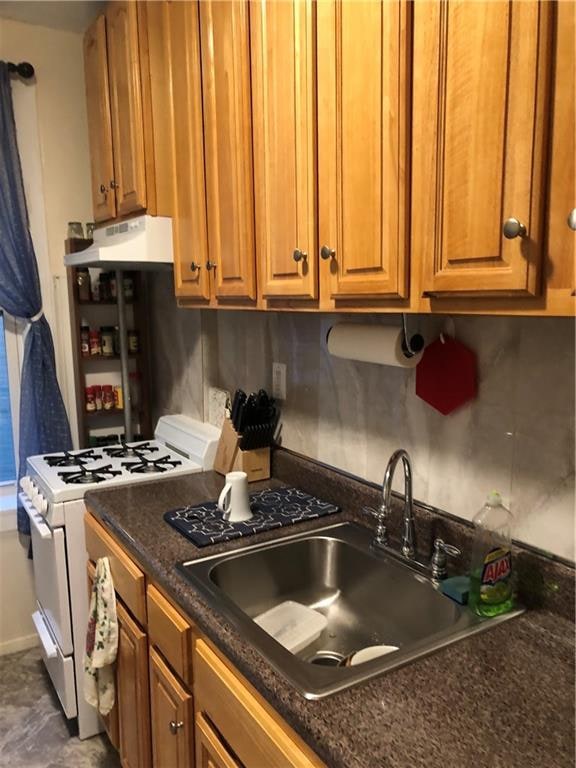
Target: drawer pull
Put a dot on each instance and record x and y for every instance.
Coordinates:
(175, 726)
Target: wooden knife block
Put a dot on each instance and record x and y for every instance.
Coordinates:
(229, 456)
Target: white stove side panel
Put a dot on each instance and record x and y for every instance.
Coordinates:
(89, 723)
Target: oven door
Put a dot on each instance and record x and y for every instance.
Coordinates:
(51, 576)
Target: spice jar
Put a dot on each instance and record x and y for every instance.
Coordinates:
(118, 398)
(104, 286)
(107, 340)
(83, 280)
(98, 396)
(95, 343)
(75, 230)
(113, 286)
(128, 288)
(89, 397)
(116, 340)
(133, 342)
(107, 397)
(90, 226)
(84, 339)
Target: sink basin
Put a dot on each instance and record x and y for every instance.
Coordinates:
(368, 599)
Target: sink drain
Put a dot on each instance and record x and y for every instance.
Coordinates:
(327, 658)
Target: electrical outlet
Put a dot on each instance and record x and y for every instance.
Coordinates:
(279, 381)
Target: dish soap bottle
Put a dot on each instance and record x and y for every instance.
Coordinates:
(491, 584)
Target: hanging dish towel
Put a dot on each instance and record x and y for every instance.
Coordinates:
(101, 641)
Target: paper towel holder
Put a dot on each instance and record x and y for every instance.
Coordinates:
(411, 345)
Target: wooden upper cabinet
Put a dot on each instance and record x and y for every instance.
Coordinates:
(363, 145)
(99, 125)
(561, 282)
(172, 718)
(225, 44)
(284, 128)
(126, 100)
(481, 81)
(189, 226)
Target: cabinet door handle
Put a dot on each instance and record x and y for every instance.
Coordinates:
(113, 184)
(175, 726)
(513, 228)
(194, 267)
(327, 253)
(572, 219)
(210, 265)
(299, 255)
(103, 190)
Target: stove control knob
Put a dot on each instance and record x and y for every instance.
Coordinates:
(43, 505)
(25, 483)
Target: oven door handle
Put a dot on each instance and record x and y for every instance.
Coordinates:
(43, 530)
(48, 644)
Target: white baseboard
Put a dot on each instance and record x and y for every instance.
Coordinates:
(18, 644)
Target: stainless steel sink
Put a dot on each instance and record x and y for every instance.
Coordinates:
(368, 599)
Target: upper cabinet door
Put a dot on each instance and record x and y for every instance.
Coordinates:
(99, 125)
(284, 125)
(126, 97)
(363, 144)
(481, 75)
(225, 44)
(189, 229)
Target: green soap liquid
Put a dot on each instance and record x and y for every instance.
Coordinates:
(499, 599)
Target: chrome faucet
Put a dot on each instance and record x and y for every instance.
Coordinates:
(408, 535)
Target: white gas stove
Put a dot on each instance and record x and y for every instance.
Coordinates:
(53, 497)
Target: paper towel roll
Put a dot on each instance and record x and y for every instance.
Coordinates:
(373, 344)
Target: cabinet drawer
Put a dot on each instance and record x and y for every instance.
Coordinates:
(129, 580)
(256, 735)
(170, 633)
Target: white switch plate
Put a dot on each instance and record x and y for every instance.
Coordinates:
(279, 381)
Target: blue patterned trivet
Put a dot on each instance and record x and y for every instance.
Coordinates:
(272, 508)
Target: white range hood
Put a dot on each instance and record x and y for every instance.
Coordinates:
(144, 242)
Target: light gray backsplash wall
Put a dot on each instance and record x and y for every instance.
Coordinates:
(518, 436)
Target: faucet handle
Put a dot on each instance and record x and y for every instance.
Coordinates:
(381, 536)
(438, 562)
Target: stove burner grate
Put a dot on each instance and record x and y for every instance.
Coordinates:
(94, 475)
(68, 459)
(125, 451)
(147, 466)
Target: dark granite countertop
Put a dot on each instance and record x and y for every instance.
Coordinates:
(504, 697)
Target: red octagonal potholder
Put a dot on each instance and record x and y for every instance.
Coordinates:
(446, 375)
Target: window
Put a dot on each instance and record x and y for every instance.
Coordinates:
(7, 463)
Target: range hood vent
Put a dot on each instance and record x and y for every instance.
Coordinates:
(144, 242)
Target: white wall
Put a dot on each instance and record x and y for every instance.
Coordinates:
(53, 141)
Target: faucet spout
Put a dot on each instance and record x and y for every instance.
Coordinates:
(408, 533)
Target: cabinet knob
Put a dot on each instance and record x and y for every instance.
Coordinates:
(299, 255)
(103, 189)
(194, 267)
(210, 265)
(572, 219)
(327, 253)
(113, 184)
(513, 228)
(175, 726)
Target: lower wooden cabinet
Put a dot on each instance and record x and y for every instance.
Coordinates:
(165, 672)
(210, 751)
(132, 692)
(172, 717)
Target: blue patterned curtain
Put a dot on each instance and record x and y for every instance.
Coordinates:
(43, 422)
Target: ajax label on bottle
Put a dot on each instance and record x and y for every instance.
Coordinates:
(491, 582)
